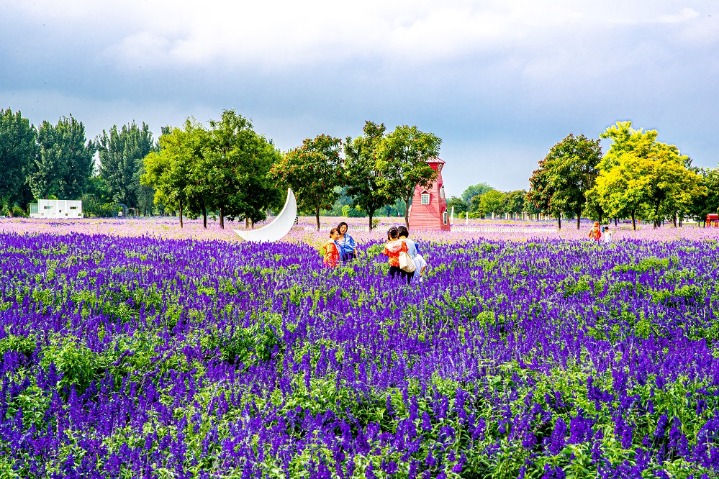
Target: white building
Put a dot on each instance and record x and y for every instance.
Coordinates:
(56, 209)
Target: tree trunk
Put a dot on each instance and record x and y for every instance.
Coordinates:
(370, 221)
(634, 221)
(204, 216)
(222, 217)
(579, 217)
(317, 217)
(406, 210)
(559, 222)
(181, 225)
(616, 222)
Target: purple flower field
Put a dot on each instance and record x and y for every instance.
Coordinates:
(546, 358)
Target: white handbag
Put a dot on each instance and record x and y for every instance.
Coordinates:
(406, 263)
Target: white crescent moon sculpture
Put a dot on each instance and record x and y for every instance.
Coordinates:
(279, 227)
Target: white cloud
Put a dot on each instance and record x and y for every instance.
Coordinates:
(468, 69)
(280, 35)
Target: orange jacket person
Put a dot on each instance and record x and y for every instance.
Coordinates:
(392, 250)
(595, 233)
(331, 250)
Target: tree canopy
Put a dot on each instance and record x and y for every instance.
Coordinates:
(640, 175)
(168, 170)
(402, 159)
(121, 153)
(314, 171)
(64, 164)
(224, 168)
(564, 176)
(18, 151)
(363, 175)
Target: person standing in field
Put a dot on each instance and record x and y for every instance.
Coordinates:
(346, 243)
(595, 234)
(403, 234)
(392, 250)
(607, 236)
(413, 250)
(331, 249)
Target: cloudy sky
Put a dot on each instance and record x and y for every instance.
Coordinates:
(499, 81)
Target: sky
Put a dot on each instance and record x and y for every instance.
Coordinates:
(500, 82)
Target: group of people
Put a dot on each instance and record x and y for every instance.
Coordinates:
(340, 247)
(600, 234)
(403, 255)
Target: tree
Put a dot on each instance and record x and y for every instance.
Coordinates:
(363, 173)
(169, 169)
(473, 191)
(568, 171)
(460, 207)
(514, 201)
(64, 165)
(402, 159)
(471, 198)
(121, 154)
(493, 201)
(236, 162)
(18, 152)
(670, 183)
(145, 196)
(642, 175)
(97, 200)
(616, 192)
(708, 202)
(313, 170)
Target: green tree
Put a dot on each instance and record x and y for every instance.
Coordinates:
(363, 173)
(473, 191)
(236, 162)
(708, 202)
(460, 207)
(18, 152)
(639, 174)
(313, 170)
(121, 153)
(145, 195)
(169, 170)
(97, 200)
(671, 184)
(564, 176)
(402, 158)
(65, 163)
(492, 201)
(514, 201)
(616, 191)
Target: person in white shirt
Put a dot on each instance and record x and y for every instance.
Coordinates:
(607, 235)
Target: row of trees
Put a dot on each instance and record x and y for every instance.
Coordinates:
(226, 169)
(482, 200)
(58, 161)
(638, 178)
(378, 168)
(230, 169)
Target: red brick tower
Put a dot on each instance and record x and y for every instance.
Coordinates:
(429, 205)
